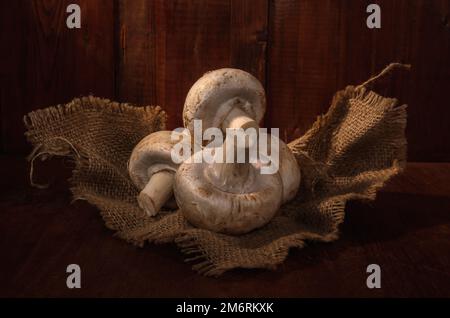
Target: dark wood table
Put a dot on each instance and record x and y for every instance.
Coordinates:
(406, 231)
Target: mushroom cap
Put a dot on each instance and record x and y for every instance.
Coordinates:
(151, 155)
(207, 206)
(289, 172)
(288, 169)
(206, 100)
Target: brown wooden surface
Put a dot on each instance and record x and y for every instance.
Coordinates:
(165, 46)
(406, 231)
(44, 63)
(303, 63)
(151, 52)
(319, 47)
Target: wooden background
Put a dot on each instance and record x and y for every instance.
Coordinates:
(151, 52)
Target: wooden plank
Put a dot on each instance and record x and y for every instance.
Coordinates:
(168, 45)
(137, 64)
(46, 63)
(302, 66)
(319, 47)
(356, 54)
(249, 36)
(417, 32)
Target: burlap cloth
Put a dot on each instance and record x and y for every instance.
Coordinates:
(349, 153)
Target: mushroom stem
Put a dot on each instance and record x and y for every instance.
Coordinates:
(231, 176)
(156, 192)
(237, 118)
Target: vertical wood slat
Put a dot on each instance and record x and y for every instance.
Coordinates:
(249, 32)
(302, 66)
(420, 35)
(318, 47)
(168, 45)
(137, 64)
(45, 63)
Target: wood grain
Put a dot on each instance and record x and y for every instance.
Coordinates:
(420, 36)
(137, 63)
(45, 63)
(168, 45)
(302, 67)
(319, 47)
(151, 52)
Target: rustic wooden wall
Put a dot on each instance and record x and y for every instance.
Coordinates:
(317, 47)
(44, 63)
(166, 46)
(150, 52)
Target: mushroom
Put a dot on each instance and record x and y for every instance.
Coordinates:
(288, 169)
(225, 98)
(232, 98)
(152, 170)
(231, 198)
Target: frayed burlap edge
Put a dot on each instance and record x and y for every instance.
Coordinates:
(60, 146)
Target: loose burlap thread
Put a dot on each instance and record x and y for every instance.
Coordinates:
(349, 153)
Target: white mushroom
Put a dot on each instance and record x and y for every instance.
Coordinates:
(225, 98)
(152, 170)
(235, 198)
(288, 170)
(232, 198)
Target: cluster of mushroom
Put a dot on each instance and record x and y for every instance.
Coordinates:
(231, 198)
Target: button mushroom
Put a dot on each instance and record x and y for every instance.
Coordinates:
(232, 198)
(225, 98)
(152, 170)
(287, 168)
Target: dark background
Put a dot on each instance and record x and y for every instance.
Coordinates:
(151, 52)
